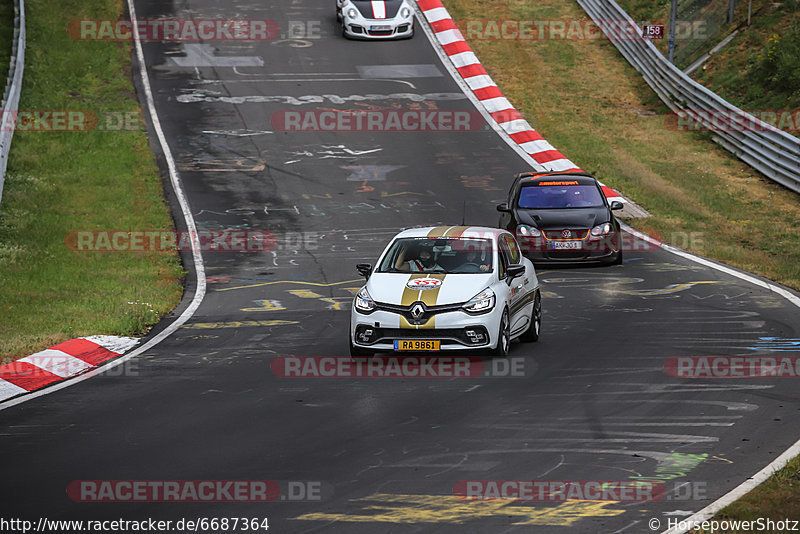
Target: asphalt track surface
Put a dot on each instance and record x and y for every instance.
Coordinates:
(592, 400)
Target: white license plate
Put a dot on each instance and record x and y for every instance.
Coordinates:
(566, 245)
(379, 28)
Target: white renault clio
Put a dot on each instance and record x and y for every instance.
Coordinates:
(447, 288)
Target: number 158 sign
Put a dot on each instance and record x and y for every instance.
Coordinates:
(652, 31)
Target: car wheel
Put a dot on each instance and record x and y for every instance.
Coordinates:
(503, 337)
(358, 352)
(617, 259)
(532, 334)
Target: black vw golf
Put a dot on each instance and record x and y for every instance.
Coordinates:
(562, 217)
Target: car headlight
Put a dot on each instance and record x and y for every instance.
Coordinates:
(481, 303)
(405, 12)
(601, 229)
(523, 230)
(352, 13)
(364, 302)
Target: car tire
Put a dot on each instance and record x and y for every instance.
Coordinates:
(358, 352)
(503, 338)
(532, 333)
(617, 259)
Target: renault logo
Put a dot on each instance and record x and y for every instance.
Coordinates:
(417, 310)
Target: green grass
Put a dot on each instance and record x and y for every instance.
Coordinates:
(59, 182)
(6, 38)
(777, 499)
(760, 69)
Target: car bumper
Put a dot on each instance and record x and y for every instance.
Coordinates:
(363, 29)
(455, 331)
(540, 250)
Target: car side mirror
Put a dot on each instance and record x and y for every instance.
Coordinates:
(364, 269)
(515, 271)
(616, 205)
(503, 207)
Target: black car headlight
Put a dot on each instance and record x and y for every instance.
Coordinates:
(524, 230)
(601, 230)
(363, 302)
(483, 302)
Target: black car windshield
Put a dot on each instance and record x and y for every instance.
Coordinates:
(560, 196)
(451, 255)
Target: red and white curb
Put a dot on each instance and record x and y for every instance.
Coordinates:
(489, 96)
(60, 362)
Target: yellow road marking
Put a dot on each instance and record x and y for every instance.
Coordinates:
(674, 288)
(336, 302)
(299, 282)
(239, 324)
(266, 305)
(451, 509)
(304, 293)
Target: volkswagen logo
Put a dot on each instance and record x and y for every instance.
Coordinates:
(417, 311)
(566, 234)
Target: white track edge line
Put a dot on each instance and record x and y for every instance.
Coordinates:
(773, 466)
(197, 257)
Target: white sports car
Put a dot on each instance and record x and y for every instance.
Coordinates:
(375, 19)
(447, 288)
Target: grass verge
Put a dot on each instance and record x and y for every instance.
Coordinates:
(594, 107)
(6, 38)
(65, 181)
(776, 498)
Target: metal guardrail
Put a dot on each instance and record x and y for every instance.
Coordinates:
(772, 152)
(10, 102)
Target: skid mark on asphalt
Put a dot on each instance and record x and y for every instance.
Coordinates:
(299, 282)
(388, 508)
(669, 290)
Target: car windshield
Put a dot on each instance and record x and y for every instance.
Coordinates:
(451, 255)
(559, 196)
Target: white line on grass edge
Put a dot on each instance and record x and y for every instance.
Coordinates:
(779, 462)
(197, 257)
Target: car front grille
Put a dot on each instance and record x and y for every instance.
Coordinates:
(575, 234)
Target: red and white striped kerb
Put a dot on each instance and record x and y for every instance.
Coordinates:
(487, 92)
(60, 362)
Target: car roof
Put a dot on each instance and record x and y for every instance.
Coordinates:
(559, 179)
(452, 231)
(581, 177)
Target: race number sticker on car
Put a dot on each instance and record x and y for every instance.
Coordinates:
(420, 284)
